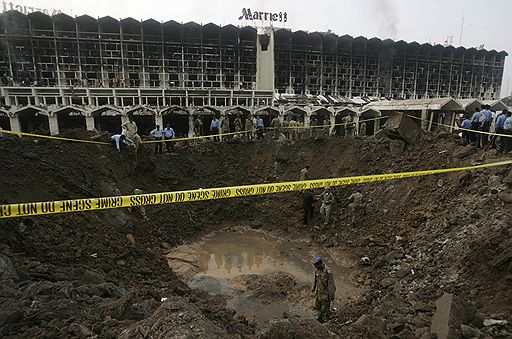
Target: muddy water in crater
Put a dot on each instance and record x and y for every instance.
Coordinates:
(220, 261)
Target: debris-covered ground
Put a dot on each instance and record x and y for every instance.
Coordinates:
(440, 246)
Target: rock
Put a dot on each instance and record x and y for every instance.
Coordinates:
(492, 322)
(172, 320)
(386, 282)
(508, 178)
(464, 151)
(451, 312)
(92, 277)
(10, 313)
(293, 328)
(423, 307)
(468, 332)
(323, 238)
(505, 196)
(397, 147)
(370, 323)
(7, 271)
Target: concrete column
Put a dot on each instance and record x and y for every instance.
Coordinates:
(424, 118)
(124, 118)
(159, 120)
(89, 122)
(54, 124)
(15, 124)
(191, 125)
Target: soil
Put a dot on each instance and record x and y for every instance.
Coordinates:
(77, 275)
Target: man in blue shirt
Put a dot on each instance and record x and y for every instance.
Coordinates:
(485, 124)
(500, 123)
(260, 126)
(466, 124)
(120, 140)
(475, 126)
(168, 135)
(214, 128)
(158, 134)
(507, 129)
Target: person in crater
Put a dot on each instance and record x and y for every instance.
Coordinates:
(325, 289)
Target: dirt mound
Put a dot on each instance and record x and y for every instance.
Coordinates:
(76, 275)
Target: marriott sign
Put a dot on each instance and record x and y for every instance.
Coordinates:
(247, 14)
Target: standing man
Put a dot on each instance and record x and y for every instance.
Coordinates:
(507, 129)
(356, 205)
(142, 209)
(260, 125)
(476, 126)
(325, 289)
(238, 126)
(225, 127)
(500, 123)
(327, 198)
(485, 122)
(466, 124)
(248, 127)
(308, 200)
(276, 127)
(198, 127)
(214, 128)
(168, 136)
(130, 130)
(362, 129)
(158, 134)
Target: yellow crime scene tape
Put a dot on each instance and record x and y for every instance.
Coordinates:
(91, 204)
(460, 128)
(52, 137)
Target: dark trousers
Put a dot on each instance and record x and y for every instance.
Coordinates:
(475, 137)
(259, 132)
(308, 207)
(466, 135)
(484, 138)
(169, 145)
(507, 142)
(215, 132)
(158, 147)
(494, 139)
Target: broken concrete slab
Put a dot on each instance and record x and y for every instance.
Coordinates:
(401, 126)
(451, 312)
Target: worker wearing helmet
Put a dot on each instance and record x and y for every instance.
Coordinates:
(325, 289)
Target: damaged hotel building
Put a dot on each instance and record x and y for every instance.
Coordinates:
(91, 66)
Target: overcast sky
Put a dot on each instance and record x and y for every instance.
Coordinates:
(486, 21)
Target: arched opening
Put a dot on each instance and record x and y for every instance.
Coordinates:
(144, 118)
(107, 119)
(206, 115)
(177, 117)
(5, 122)
(340, 126)
(297, 114)
(267, 114)
(33, 120)
(70, 118)
(322, 117)
(372, 126)
(232, 113)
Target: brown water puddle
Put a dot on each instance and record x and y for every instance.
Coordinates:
(212, 263)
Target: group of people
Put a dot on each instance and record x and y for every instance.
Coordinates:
(327, 198)
(475, 129)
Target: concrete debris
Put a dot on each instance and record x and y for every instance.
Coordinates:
(400, 125)
(451, 312)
